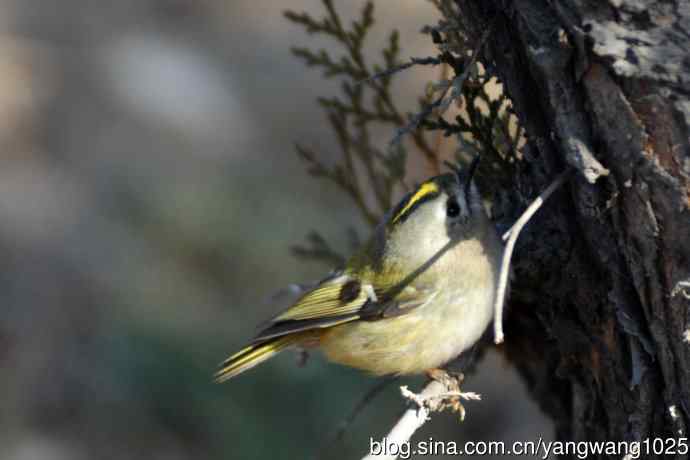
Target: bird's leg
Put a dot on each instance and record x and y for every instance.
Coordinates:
(307, 343)
(448, 396)
(451, 381)
(302, 357)
(451, 399)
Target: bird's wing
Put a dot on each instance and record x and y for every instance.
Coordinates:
(340, 299)
(399, 303)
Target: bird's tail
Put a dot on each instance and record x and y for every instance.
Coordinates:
(252, 355)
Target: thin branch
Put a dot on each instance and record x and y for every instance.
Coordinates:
(426, 402)
(429, 60)
(512, 236)
(441, 102)
(438, 138)
(361, 405)
(411, 421)
(352, 115)
(318, 249)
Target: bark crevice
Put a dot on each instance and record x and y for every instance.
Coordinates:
(593, 324)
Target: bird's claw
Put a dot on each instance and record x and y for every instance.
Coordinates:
(451, 399)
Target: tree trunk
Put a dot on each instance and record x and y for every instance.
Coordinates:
(598, 319)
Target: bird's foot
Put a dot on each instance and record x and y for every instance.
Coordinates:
(451, 398)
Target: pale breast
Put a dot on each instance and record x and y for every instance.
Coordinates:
(425, 338)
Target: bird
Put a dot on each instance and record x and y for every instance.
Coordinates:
(415, 296)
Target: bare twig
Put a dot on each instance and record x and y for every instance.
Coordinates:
(438, 139)
(423, 401)
(429, 60)
(442, 102)
(512, 235)
(426, 402)
(361, 405)
(411, 421)
(319, 250)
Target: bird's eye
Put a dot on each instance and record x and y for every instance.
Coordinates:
(452, 208)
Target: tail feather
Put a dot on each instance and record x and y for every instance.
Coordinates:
(252, 355)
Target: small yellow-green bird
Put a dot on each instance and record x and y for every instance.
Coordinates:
(415, 296)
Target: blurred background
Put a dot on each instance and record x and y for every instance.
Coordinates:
(149, 196)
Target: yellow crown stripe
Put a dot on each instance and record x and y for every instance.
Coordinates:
(425, 189)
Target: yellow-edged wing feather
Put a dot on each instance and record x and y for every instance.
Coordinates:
(334, 301)
(252, 355)
(337, 300)
(335, 297)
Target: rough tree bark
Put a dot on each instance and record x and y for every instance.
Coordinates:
(598, 317)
